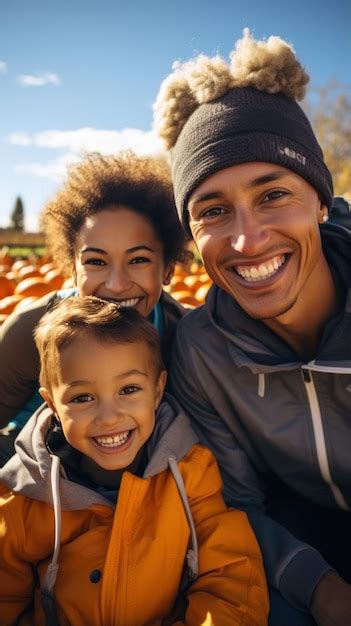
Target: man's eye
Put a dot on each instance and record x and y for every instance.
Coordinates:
(83, 397)
(94, 261)
(129, 389)
(139, 259)
(213, 211)
(274, 195)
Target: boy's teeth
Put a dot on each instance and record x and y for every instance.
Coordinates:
(113, 440)
(262, 271)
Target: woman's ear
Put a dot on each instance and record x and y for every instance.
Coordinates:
(46, 396)
(169, 271)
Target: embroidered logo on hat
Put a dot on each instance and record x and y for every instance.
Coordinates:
(292, 154)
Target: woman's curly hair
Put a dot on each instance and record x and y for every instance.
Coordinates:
(143, 184)
(269, 66)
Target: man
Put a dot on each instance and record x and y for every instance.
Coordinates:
(264, 368)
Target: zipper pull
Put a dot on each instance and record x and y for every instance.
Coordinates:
(306, 376)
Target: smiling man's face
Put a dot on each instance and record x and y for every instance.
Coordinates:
(256, 226)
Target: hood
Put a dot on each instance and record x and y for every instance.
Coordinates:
(252, 344)
(28, 472)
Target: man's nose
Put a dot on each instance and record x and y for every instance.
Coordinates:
(248, 235)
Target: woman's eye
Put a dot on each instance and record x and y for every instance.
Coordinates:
(139, 259)
(129, 389)
(94, 261)
(83, 397)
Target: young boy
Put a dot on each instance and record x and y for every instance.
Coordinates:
(108, 510)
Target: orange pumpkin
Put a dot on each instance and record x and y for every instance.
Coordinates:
(7, 286)
(8, 304)
(201, 293)
(27, 271)
(24, 302)
(54, 278)
(185, 297)
(33, 287)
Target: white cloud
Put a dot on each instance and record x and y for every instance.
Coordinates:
(39, 80)
(3, 67)
(20, 139)
(92, 139)
(53, 170)
(76, 142)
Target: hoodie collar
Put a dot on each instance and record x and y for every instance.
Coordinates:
(252, 344)
(28, 472)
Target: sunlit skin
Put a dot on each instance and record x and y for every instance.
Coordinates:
(261, 220)
(106, 400)
(118, 257)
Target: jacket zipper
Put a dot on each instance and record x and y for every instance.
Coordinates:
(320, 438)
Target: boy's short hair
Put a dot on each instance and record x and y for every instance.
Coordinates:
(141, 183)
(104, 321)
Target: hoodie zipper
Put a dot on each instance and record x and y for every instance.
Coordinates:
(319, 437)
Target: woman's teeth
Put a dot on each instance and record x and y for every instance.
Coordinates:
(128, 303)
(262, 271)
(113, 441)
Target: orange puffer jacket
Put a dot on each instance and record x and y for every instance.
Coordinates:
(123, 565)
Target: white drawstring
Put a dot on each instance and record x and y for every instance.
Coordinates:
(261, 385)
(51, 573)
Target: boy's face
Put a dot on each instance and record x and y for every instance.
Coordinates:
(106, 399)
(119, 258)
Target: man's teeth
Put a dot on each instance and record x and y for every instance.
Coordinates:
(128, 303)
(111, 441)
(262, 271)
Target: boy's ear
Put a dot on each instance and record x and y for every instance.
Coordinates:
(46, 396)
(160, 387)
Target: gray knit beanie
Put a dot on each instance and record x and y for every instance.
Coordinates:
(250, 121)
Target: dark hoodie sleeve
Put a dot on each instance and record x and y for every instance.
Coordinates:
(292, 567)
(19, 359)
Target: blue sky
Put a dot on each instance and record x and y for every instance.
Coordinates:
(80, 74)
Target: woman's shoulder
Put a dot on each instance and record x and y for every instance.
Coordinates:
(21, 324)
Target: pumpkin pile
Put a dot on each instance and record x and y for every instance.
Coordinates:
(24, 280)
(189, 285)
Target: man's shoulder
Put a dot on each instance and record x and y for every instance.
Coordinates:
(197, 318)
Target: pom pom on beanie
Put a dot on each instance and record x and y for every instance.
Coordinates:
(214, 115)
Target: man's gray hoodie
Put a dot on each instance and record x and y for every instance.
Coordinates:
(266, 415)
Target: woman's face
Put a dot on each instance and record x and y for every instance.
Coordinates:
(119, 258)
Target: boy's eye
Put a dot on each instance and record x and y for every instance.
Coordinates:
(139, 259)
(83, 397)
(129, 389)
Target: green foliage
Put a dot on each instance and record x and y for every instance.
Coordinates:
(24, 252)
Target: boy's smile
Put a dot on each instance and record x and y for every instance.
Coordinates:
(106, 399)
